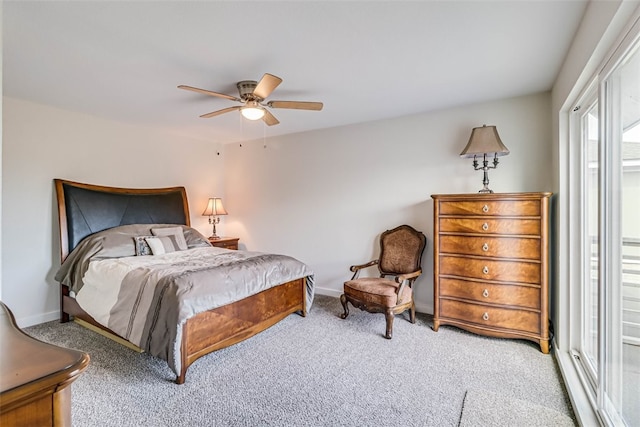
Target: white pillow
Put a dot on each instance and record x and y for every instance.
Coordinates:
(162, 244)
(172, 231)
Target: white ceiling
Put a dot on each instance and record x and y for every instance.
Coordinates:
(366, 60)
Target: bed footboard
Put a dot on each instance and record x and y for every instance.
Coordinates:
(232, 323)
(218, 328)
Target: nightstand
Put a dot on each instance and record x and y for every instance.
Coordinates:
(225, 242)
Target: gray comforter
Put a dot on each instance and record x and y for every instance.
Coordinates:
(155, 295)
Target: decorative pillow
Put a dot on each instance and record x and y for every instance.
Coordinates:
(162, 244)
(195, 239)
(142, 247)
(172, 231)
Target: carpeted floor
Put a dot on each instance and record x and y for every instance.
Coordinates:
(315, 371)
(483, 408)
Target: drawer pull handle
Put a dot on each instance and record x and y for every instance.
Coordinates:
(485, 226)
(485, 208)
(485, 247)
(485, 316)
(485, 293)
(485, 270)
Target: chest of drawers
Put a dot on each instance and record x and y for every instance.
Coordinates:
(491, 272)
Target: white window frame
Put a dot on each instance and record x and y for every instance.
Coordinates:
(609, 376)
(591, 373)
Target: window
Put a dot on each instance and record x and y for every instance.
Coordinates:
(629, 262)
(606, 128)
(589, 131)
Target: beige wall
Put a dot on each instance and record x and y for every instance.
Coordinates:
(42, 143)
(325, 196)
(320, 196)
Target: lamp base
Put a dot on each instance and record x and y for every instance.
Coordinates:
(485, 174)
(214, 221)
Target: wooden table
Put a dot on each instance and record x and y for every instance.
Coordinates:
(35, 377)
(225, 242)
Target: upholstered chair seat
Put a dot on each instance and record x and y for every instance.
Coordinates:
(377, 291)
(399, 265)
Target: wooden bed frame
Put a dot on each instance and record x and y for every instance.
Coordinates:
(85, 209)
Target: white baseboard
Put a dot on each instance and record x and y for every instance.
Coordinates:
(328, 292)
(424, 308)
(25, 322)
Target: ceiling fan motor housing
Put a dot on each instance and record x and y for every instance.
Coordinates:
(246, 88)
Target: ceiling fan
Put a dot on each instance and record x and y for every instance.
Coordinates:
(252, 96)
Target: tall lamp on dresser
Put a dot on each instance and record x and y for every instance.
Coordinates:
(491, 255)
(484, 141)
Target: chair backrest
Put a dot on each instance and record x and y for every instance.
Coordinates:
(401, 250)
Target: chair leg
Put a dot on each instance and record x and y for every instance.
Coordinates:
(412, 313)
(388, 314)
(343, 300)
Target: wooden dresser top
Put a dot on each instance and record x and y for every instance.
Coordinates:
(478, 196)
(25, 360)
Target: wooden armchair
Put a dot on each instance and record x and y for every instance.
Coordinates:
(400, 256)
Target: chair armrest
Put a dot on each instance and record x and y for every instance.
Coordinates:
(401, 278)
(361, 266)
(356, 268)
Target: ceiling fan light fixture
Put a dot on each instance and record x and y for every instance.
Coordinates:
(252, 113)
(253, 95)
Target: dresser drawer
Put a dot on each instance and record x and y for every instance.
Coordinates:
(503, 247)
(521, 320)
(506, 271)
(226, 245)
(491, 207)
(521, 296)
(225, 242)
(523, 227)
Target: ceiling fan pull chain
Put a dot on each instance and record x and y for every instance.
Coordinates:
(241, 129)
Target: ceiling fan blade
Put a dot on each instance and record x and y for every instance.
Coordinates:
(208, 92)
(266, 85)
(296, 105)
(217, 113)
(269, 118)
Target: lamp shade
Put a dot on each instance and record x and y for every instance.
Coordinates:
(214, 207)
(484, 140)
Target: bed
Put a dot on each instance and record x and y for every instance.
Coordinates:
(195, 298)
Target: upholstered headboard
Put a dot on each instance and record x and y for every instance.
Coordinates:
(84, 209)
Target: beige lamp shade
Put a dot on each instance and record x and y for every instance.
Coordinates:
(214, 207)
(484, 140)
